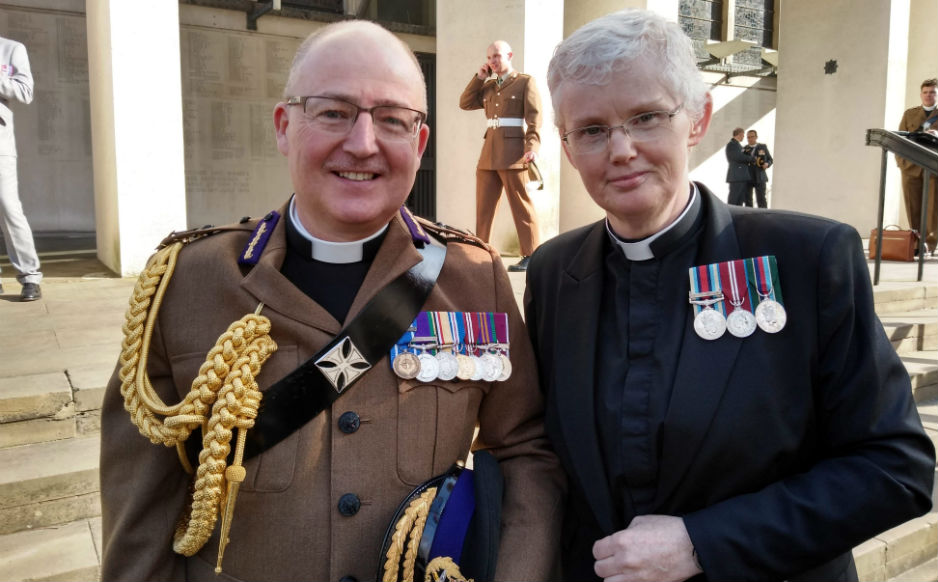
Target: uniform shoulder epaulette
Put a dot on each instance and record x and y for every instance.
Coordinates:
(451, 233)
(193, 234)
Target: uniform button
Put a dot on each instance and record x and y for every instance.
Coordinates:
(348, 579)
(349, 504)
(349, 422)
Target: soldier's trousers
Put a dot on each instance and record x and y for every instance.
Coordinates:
(489, 187)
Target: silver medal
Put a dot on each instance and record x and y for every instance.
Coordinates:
(710, 324)
(493, 367)
(479, 371)
(449, 367)
(506, 367)
(429, 368)
(771, 316)
(741, 323)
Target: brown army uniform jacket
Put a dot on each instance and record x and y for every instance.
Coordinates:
(912, 119)
(287, 525)
(516, 98)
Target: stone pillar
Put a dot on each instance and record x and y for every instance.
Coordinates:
(136, 128)
(464, 31)
(822, 163)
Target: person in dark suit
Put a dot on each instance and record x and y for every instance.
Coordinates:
(719, 389)
(737, 173)
(757, 176)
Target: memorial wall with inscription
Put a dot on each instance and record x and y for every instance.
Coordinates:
(231, 81)
(53, 133)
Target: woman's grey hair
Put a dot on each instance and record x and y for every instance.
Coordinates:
(608, 45)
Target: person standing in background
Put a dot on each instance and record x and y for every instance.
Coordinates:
(16, 82)
(921, 118)
(513, 111)
(737, 174)
(758, 177)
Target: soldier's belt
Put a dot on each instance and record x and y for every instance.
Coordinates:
(505, 122)
(315, 385)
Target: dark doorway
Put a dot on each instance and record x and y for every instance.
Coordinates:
(422, 199)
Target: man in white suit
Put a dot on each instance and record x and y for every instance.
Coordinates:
(16, 82)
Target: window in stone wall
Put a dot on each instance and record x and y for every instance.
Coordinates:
(702, 20)
(754, 22)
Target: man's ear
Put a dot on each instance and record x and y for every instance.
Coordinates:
(281, 121)
(699, 128)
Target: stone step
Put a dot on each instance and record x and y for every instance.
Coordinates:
(900, 551)
(912, 331)
(923, 371)
(892, 297)
(49, 483)
(51, 406)
(71, 551)
(927, 572)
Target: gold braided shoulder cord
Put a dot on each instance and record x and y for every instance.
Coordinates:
(226, 386)
(444, 568)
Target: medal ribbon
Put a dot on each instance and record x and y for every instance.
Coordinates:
(703, 279)
(734, 272)
(762, 273)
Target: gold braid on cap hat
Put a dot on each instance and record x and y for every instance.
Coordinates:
(223, 397)
(410, 528)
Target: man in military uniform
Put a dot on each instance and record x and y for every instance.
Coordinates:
(757, 176)
(513, 112)
(921, 118)
(315, 505)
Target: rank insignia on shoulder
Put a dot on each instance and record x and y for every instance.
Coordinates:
(255, 247)
(444, 345)
(750, 287)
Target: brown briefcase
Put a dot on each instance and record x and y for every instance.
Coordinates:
(898, 244)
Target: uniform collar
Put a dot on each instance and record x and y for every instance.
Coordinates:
(327, 251)
(661, 243)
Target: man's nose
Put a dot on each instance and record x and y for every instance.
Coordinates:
(361, 139)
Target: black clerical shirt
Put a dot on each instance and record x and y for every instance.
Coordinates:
(644, 307)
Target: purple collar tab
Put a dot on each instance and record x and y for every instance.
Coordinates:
(255, 247)
(416, 233)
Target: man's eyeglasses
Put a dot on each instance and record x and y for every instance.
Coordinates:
(643, 127)
(391, 122)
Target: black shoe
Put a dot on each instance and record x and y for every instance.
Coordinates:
(1, 288)
(521, 265)
(30, 292)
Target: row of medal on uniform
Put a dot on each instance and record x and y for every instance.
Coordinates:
(741, 284)
(446, 345)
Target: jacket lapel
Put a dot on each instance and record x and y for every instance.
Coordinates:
(581, 285)
(704, 366)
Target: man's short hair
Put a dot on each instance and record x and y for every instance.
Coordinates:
(603, 48)
(933, 82)
(738, 131)
(753, 131)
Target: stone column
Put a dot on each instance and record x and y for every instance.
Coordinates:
(136, 128)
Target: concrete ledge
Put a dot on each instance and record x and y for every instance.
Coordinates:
(923, 371)
(915, 331)
(61, 553)
(33, 396)
(32, 516)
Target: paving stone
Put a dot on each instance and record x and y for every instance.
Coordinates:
(910, 544)
(870, 558)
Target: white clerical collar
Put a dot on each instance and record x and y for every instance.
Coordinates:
(640, 250)
(329, 251)
(932, 108)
